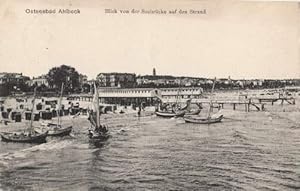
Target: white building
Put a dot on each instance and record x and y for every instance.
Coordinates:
(39, 81)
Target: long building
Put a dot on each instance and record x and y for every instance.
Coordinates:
(129, 96)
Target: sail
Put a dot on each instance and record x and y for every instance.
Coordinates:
(32, 115)
(59, 104)
(210, 102)
(96, 105)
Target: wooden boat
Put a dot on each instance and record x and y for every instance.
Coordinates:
(196, 112)
(29, 136)
(97, 132)
(203, 120)
(207, 120)
(175, 111)
(34, 137)
(170, 114)
(56, 129)
(98, 136)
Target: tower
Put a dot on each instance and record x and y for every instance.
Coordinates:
(154, 72)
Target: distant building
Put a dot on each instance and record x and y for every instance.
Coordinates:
(39, 81)
(13, 78)
(155, 80)
(121, 80)
(12, 82)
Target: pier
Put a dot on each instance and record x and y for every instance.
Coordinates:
(257, 103)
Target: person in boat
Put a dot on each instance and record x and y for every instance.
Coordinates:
(92, 119)
(101, 129)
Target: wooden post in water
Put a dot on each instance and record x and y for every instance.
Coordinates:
(248, 106)
(233, 106)
(262, 107)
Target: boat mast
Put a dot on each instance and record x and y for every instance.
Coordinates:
(210, 102)
(96, 103)
(32, 115)
(178, 98)
(59, 104)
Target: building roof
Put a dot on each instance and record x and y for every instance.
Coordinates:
(116, 73)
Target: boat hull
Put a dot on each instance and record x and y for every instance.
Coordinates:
(94, 136)
(60, 132)
(169, 114)
(203, 121)
(194, 112)
(11, 137)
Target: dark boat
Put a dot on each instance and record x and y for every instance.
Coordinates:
(33, 137)
(203, 120)
(98, 136)
(98, 132)
(170, 114)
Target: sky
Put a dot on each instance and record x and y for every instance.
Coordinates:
(240, 39)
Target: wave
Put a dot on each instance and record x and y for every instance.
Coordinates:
(51, 145)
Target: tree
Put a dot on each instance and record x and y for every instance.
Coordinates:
(63, 74)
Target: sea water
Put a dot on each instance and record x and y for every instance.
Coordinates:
(247, 151)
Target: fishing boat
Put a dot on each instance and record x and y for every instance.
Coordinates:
(97, 132)
(20, 137)
(195, 112)
(170, 114)
(29, 136)
(175, 111)
(205, 120)
(56, 129)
